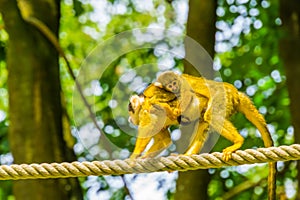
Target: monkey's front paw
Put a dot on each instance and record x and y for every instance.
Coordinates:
(176, 112)
(134, 156)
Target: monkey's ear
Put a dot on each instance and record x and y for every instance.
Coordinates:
(158, 84)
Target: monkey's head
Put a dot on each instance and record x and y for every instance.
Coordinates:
(134, 107)
(170, 81)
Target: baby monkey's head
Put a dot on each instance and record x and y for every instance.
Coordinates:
(170, 81)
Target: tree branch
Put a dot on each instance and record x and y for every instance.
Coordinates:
(241, 187)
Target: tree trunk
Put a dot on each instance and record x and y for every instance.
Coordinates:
(290, 51)
(200, 27)
(35, 112)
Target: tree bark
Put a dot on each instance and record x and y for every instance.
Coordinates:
(290, 51)
(201, 27)
(35, 111)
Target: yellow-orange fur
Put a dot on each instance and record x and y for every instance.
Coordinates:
(188, 102)
(218, 102)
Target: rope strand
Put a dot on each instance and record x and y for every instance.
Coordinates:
(129, 166)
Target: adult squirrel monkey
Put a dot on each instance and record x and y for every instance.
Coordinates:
(218, 101)
(153, 117)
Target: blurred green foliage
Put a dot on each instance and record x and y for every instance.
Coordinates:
(5, 156)
(251, 62)
(246, 56)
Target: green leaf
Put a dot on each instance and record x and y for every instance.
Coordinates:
(78, 7)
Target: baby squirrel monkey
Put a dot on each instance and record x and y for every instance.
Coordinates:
(188, 106)
(218, 102)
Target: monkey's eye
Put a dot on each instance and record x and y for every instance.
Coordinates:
(174, 82)
(169, 86)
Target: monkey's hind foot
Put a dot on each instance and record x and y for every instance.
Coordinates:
(227, 152)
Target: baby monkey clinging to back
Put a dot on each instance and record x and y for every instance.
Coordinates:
(188, 106)
(217, 102)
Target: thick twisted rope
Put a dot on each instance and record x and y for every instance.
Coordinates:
(128, 166)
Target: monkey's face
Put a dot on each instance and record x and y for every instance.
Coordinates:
(173, 86)
(134, 108)
(170, 81)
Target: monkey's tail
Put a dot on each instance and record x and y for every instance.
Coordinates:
(251, 113)
(246, 107)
